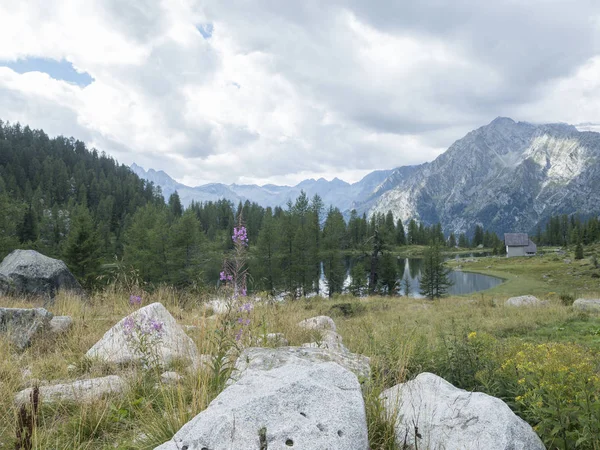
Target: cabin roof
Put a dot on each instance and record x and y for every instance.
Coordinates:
(517, 239)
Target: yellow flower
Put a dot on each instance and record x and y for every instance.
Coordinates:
(471, 335)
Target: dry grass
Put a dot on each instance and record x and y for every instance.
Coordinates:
(399, 334)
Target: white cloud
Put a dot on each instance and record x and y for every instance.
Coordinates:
(281, 91)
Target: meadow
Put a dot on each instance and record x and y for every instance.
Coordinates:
(543, 361)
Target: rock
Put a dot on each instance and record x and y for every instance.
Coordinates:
(170, 377)
(22, 324)
(31, 273)
(524, 300)
(329, 340)
(77, 391)
(168, 341)
(6, 285)
(318, 323)
(455, 419)
(218, 306)
(256, 358)
(277, 339)
(300, 403)
(587, 304)
(71, 368)
(61, 324)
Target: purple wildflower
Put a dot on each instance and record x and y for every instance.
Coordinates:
(244, 292)
(156, 325)
(240, 320)
(246, 307)
(135, 300)
(129, 325)
(240, 236)
(247, 322)
(238, 335)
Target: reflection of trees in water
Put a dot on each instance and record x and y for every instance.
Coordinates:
(414, 266)
(401, 267)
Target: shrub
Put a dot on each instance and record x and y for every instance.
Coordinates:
(566, 299)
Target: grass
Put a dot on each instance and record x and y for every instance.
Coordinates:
(548, 274)
(402, 336)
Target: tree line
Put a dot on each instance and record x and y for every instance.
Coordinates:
(74, 203)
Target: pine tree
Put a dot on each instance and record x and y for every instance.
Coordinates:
(82, 249)
(334, 232)
(434, 276)
(579, 250)
(400, 234)
(175, 205)
(389, 273)
(358, 275)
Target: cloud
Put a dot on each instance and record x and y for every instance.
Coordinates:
(269, 91)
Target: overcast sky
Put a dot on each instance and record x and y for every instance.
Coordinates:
(258, 91)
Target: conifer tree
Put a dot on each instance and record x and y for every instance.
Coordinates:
(434, 276)
(82, 248)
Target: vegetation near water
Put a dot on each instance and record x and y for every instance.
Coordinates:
(123, 241)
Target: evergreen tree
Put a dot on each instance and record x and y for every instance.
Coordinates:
(579, 251)
(406, 286)
(268, 268)
(28, 231)
(334, 232)
(400, 234)
(434, 276)
(184, 250)
(463, 242)
(452, 241)
(82, 248)
(175, 205)
(389, 273)
(358, 275)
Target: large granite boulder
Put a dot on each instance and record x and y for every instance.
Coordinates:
(259, 358)
(31, 273)
(587, 305)
(23, 324)
(523, 300)
(298, 402)
(6, 285)
(329, 340)
(435, 414)
(61, 324)
(78, 391)
(150, 333)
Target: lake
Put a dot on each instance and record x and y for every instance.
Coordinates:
(464, 282)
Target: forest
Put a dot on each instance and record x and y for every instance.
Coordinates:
(76, 204)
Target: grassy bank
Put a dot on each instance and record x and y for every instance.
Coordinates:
(552, 273)
(473, 342)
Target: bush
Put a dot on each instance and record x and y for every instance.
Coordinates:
(556, 387)
(566, 299)
(347, 309)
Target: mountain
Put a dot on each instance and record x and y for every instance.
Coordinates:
(336, 192)
(506, 176)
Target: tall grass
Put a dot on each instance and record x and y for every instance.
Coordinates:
(403, 337)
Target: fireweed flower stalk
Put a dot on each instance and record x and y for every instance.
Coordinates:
(143, 334)
(234, 277)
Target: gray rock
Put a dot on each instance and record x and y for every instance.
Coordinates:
(170, 377)
(61, 324)
(454, 419)
(256, 358)
(329, 340)
(587, 304)
(318, 323)
(31, 273)
(6, 285)
(119, 345)
(524, 300)
(300, 403)
(23, 324)
(78, 391)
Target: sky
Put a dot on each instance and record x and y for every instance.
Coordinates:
(277, 91)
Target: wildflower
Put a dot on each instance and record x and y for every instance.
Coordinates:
(244, 292)
(240, 236)
(238, 335)
(156, 326)
(247, 322)
(472, 335)
(222, 276)
(129, 325)
(135, 300)
(246, 307)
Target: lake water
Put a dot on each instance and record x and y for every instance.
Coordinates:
(464, 282)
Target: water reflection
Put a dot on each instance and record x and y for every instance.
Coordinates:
(410, 268)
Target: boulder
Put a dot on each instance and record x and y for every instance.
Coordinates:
(61, 324)
(256, 358)
(78, 391)
(6, 285)
(318, 323)
(329, 340)
(299, 403)
(523, 300)
(435, 414)
(31, 273)
(22, 324)
(151, 325)
(218, 306)
(587, 304)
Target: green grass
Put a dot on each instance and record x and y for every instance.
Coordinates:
(543, 275)
(402, 336)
